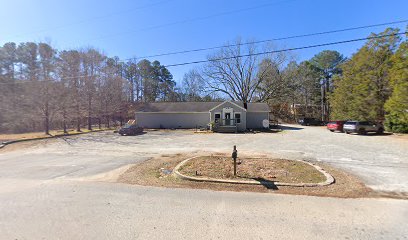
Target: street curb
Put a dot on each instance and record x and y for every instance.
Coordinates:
(329, 177)
(2, 145)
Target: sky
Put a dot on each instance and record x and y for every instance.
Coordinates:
(137, 28)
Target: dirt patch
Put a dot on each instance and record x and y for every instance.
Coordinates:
(400, 136)
(394, 195)
(157, 172)
(281, 170)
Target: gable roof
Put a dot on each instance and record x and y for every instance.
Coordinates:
(191, 107)
(219, 105)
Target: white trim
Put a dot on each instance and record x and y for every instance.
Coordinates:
(240, 117)
(238, 106)
(219, 105)
(230, 111)
(215, 114)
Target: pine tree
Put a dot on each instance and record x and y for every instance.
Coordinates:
(397, 104)
(327, 63)
(361, 92)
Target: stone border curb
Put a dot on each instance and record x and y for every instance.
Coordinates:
(329, 177)
(2, 145)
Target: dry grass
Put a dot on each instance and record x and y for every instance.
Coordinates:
(280, 170)
(153, 172)
(27, 144)
(10, 137)
(42, 139)
(35, 135)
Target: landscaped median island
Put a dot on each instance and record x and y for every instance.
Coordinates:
(279, 172)
(203, 170)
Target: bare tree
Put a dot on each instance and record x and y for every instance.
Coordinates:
(275, 83)
(193, 86)
(236, 71)
(132, 75)
(42, 88)
(92, 62)
(45, 90)
(71, 68)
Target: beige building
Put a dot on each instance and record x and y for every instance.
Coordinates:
(228, 115)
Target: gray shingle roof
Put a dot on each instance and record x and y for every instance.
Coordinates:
(194, 106)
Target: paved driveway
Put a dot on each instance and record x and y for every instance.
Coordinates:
(381, 161)
(42, 195)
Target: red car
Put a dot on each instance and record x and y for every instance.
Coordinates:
(335, 126)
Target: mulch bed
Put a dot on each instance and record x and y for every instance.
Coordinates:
(157, 172)
(280, 170)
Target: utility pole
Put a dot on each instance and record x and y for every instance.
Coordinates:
(322, 100)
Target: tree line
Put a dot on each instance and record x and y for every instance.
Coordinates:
(42, 88)
(374, 83)
(371, 85)
(237, 72)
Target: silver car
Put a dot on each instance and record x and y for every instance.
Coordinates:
(362, 127)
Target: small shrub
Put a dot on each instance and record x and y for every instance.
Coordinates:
(396, 123)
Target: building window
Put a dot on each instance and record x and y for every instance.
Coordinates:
(238, 117)
(217, 117)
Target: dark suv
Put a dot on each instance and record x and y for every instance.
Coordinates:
(310, 122)
(130, 130)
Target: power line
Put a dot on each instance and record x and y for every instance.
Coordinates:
(286, 50)
(269, 40)
(245, 55)
(193, 19)
(51, 80)
(96, 18)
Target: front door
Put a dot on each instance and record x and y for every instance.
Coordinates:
(227, 118)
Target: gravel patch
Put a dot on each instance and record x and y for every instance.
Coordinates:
(380, 161)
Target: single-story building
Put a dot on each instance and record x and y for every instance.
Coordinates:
(200, 114)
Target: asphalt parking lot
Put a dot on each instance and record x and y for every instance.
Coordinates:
(43, 194)
(381, 161)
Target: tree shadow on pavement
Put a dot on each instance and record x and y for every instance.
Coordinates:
(133, 135)
(266, 183)
(290, 128)
(374, 134)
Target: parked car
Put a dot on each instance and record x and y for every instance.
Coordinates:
(362, 127)
(310, 122)
(335, 126)
(130, 129)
